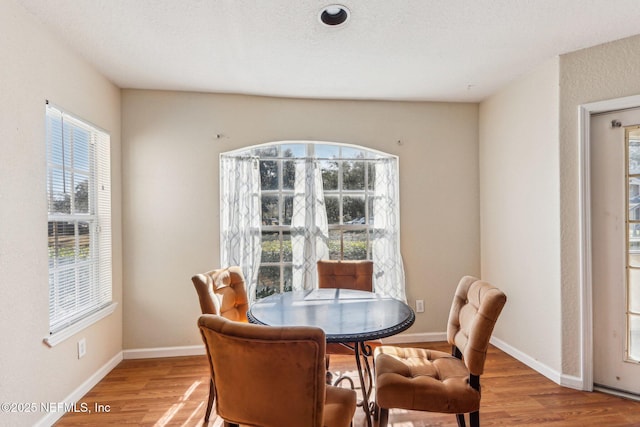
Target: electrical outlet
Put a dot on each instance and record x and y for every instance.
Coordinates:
(419, 306)
(82, 348)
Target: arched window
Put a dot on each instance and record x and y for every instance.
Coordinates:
(286, 205)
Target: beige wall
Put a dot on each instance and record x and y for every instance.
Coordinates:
(522, 120)
(171, 193)
(603, 72)
(520, 211)
(35, 67)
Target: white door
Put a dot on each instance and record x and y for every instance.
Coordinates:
(615, 232)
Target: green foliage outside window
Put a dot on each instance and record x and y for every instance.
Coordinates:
(269, 275)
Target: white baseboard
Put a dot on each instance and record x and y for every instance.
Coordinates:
(552, 374)
(150, 353)
(536, 365)
(574, 382)
(197, 350)
(78, 393)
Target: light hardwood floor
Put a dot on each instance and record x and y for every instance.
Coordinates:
(173, 392)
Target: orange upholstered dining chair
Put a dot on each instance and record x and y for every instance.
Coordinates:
(222, 292)
(433, 381)
(357, 274)
(271, 376)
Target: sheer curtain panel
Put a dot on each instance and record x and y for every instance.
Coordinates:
(309, 229)
(240, 216)
(388, 270)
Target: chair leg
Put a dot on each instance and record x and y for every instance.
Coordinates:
(383, 415)
(212, 395)
(460, 418)
(474, 419)
(329, 378)
(326, 365)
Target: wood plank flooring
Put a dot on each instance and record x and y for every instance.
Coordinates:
(173, 392)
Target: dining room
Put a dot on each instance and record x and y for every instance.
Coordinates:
(488, 184)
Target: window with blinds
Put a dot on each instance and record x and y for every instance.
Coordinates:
(79, 219)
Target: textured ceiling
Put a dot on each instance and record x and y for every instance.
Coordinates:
(438, 50)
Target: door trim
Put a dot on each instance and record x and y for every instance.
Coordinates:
(584, 205)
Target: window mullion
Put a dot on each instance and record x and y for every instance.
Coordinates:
(71, 168)
(280, 218)
(341, 205)
(367, 213)
(76, 255)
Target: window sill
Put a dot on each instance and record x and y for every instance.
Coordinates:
(58, 337)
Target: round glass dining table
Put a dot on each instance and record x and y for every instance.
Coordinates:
(346, 316)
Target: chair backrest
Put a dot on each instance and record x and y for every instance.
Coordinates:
(223, 292)
(474, 311)
(266, 376)
(346, 274)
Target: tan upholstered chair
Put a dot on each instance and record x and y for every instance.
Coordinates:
(346, 274)
(272, 376)
(434, 381)
(224, 293)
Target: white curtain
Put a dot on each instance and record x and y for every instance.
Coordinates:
(240, 216)
(309, 228)
(388, 268)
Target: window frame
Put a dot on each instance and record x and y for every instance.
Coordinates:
(340, 192)
(632, 225)
(88, 288)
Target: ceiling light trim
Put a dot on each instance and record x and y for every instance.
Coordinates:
(334, 15)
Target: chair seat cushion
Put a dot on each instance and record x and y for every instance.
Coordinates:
(423, 380)
(339, 407)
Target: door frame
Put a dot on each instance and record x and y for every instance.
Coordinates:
(584, 200)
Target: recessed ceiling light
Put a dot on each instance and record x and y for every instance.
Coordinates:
(334, 14)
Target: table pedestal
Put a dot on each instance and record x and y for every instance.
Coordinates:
(364, 363)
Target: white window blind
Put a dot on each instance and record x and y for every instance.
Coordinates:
(79, 219)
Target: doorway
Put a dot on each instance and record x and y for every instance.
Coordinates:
(615, 250)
